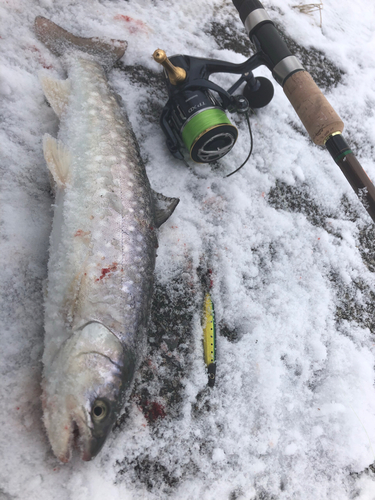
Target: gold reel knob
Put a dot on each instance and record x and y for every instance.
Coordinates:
(175, 74)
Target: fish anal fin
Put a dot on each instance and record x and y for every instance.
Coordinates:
(56, 91)
(164, 207)
(58, 160)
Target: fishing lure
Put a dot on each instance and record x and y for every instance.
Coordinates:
(209, 339)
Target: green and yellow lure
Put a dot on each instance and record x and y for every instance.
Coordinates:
(209, 338)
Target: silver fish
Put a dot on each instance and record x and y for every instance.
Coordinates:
(102, 248)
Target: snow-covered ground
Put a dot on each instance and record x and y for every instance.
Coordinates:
(291, 250)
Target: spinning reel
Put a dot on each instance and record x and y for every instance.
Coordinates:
(194, 115)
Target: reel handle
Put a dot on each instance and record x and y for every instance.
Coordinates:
(175, 74)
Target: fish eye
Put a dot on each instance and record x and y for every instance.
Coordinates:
(99, 410)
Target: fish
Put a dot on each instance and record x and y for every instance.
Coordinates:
(102, 247)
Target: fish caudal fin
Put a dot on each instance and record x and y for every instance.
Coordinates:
(60, 41)
(56, 91)
(58, 160)
(164, 207)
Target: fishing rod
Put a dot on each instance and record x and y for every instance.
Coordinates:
(194, 116)
(318, 117)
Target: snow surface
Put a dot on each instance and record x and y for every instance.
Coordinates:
(292, 415)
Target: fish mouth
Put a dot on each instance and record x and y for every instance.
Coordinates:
(82, 440)
(78, 439)
(79, 443)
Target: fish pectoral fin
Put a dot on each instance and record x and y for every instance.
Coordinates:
(164, 207)
(58, 160)
(56, 91)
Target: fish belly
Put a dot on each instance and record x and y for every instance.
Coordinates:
(103, 243)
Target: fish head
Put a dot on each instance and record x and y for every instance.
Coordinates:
(83, 391)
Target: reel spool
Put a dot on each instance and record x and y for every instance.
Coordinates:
(199, 119)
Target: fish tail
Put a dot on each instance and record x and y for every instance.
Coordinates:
(60, 41)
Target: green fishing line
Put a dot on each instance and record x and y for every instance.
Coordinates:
(200, 123)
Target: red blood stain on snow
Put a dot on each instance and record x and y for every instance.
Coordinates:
(39, 57)
(152, 411)
(210, 278)
(80, 232)
(134, 25)
(107, 270)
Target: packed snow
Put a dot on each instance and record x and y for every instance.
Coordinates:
(289, 248)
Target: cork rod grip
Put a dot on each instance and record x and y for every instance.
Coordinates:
(315, 112)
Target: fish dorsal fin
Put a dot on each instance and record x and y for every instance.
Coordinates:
(56, 91)
(58, 160)
(164, 207)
